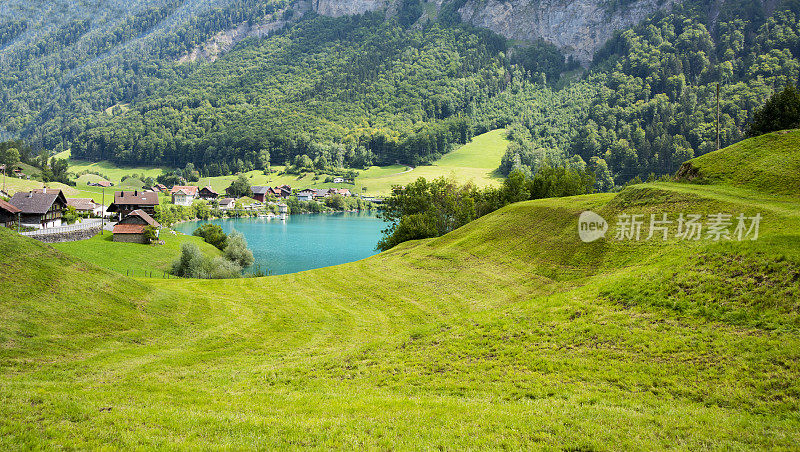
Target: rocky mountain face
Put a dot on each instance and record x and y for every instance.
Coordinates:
(337, 8)
(578, 27)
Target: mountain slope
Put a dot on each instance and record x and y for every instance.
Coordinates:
(509, 332)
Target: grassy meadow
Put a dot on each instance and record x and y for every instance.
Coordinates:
(476, 161)
(508, 333)
(135, 258)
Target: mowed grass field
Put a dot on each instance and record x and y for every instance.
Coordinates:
(110, 171)
(133, 258)
(508, 333)
(475, 161)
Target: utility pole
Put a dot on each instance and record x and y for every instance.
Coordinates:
(718, 116)
(103, 213)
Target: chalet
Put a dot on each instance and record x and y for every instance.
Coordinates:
(305, 195)
(102, 183)
(85, 205)
(284, 191)
(260, 193)
(126, 202)
(42, 208)
(131, 229)
(321, 193)
(207, 193)
(340, 191)
(9, 214)
(183, 195)
(227, 203)
(160, 188)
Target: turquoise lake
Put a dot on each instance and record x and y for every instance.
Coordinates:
(304, 242)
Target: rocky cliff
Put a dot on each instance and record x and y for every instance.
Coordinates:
(336, 8)
(578, 27)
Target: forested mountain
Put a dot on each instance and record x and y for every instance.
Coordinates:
(383, 87)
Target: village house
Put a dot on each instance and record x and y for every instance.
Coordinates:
(305, 195)
(260, 193)
(183, 195)
(102, 183)
(131, 228)
(207, 193)
(40, 209)
(85, 206)
(9, 214)
(17, 171)
(227, 203)
(339, 191)
(126, 202)
(160, 188)
(283, 209)
(321, 193)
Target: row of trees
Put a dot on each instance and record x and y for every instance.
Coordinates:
(424, 209)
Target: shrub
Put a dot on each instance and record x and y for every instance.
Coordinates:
(212, 234)
(150, 234)
(236, 250)
(193, 264)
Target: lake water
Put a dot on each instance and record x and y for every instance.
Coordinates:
(304, 242)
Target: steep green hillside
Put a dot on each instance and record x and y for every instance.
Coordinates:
(507, 333)
(769, 163)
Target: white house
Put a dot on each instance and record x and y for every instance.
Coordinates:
(227, 203)
(283, 209)
(183, 195)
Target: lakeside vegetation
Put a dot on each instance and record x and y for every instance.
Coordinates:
(508, 331)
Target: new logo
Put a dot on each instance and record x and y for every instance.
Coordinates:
(591, 226)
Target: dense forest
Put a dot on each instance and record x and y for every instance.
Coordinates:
(363, 90)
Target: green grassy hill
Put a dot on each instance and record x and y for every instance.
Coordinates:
(507, 333)
(133, 258)
(769, 164)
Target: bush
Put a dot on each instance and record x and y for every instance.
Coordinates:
(193, 264)
(237, 252)
(212, 234)
(150, 234)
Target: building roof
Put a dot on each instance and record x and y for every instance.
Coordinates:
(103, 183)
(186, 189)
(36, 203)
(260, 190)
(82, 203)
(10, 208)
(136, 197)
(144, 216)
(129, 228)
(209, 189)
(226, 200)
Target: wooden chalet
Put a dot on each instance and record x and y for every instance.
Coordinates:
(126, 202)
(41, 208)
(207, 193)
